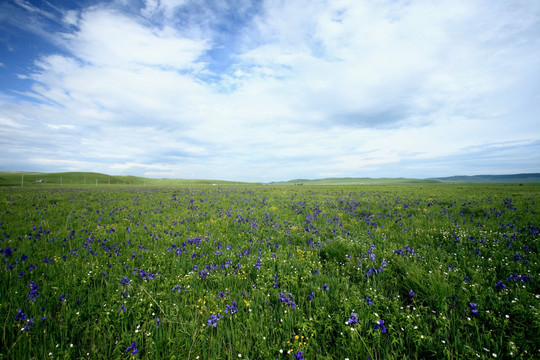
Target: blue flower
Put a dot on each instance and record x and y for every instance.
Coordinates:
(411, 293)
(325, 287)
(380, 325)
(34, 291)
(124, 281)
(132, 348)
(287, 299)
(368, 300)
(299, 355)
(213, 319)
(29, 324)
(353, 319)
(474, 309)
(20, 315)
(233, 308)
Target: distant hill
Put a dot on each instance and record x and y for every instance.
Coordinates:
(34, 179)
(356, 181)
(492, 179)
(37, 179)
(477, 179)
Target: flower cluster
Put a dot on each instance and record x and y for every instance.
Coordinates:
(287, 299)
(325, 287)
(407, 250)
(353, 319)
(20, 315)
(451, 300)
(213, 319)
(34, 291)
(522, 278)
(132, 348)
(380, 325)
(474, 309)
(233, 308)
(368, 300)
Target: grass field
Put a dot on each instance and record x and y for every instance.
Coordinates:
(268, 272)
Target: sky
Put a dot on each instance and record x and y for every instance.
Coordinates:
(266, 90)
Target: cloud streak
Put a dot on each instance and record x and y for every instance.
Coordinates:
(263, 91)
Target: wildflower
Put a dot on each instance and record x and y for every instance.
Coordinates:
(368, 300)
(316, 272)
(20, 315)
(29, 324)
(63, 297)
(158, 322)
(233, 308)
(125, 281)
(311, 296)
(213, 319)
(325, 287)
(34, 291)
(122, 307)
(474, 309)
(452, 300)
(411, 293)
(380, 325)
(299, 355)
(353, 319)
(500, 285)
(132, 348)
(287, 299)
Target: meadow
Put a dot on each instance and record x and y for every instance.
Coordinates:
(268, 272)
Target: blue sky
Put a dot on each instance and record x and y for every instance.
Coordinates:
(270, 90)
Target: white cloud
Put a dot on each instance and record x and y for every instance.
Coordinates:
(107, 38)
(71, 17)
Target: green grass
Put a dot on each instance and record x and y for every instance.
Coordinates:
(297, 261)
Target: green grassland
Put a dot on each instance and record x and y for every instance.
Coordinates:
(194, 271)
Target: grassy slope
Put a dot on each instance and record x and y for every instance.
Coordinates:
(93, 179)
